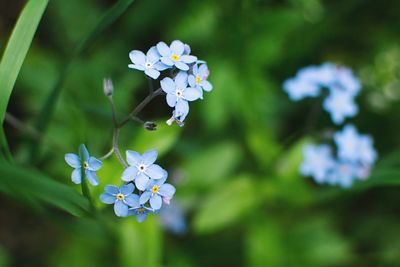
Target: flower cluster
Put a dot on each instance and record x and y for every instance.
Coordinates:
(355, 156)
(187, 75)
(340, 82)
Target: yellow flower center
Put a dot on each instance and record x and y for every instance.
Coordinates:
(85, 165)
(198, 79)
(175, 57)
(154, 189)
(120, 196)
(141, 210)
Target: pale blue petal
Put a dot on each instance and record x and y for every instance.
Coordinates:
(191, 94)
(182, 106)
(171, 100)
(203, 71)
(137, 57)
(192, 81)
(155, 202)
(141, 217)
(155, 171)
(94, 164)
(149, 157)
(181, 79)
(177, 47)
(107, 198)
(138, 67)
(73, 160)
(141, 181)
(133, 158)
(187, 49)
(163, 49)
(85, 152)
(76, 176)
(161, 66)
(129, 174)
(120, 208)
(181, 66)
(144, 197)
(168, 85)
(188, 59)
(92, 177)
(152, 55)
(195, 70)
(161, 181)
(111, 189)
(167, 61)
(167, 190)
(206, 85)
(132, 200)
(152, 73)
(127, 189)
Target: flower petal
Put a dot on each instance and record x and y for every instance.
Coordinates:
(141, 181)
(111, 189)
(168, 85)
(141, 217)
(133, 158)
(181, 79)
(144, 197)
(127, 189)
(191, 94)
(188, 59)
(177, 47)
(85, 152)
(149, 157)
(206, 85)
(167, 190)
(94, 164)
(152, 55)
(152, 73)
(167, 61)
(129, 174)
(181, 66)
(137, 57)
(182, 106)
(138, 67)
(107, 198)
(171, 100)
(203, 71)
(192, 81)
(92, 177)
(163, 49)
(132, 200)
(155, 171)
(76, 176)
(161, 66)
(73, 160)
(120, 208)
(155, 202)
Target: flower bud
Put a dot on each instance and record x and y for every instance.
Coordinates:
(108, 87)
(149, 125)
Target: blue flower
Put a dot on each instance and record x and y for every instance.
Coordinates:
(122, 198)
(354, 147)
(149, 63)
(178, 94)
(142, 168)
(318, 161)
(340, 104)
(173, 218)
(343, 174)
(141, 212)
(298, 89)
(175, 55)
(156, 192)
(85, 161)
(198, 79)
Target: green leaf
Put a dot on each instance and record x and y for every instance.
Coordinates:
(32, 185)
(14, 55)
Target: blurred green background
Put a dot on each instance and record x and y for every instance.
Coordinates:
(234, 164)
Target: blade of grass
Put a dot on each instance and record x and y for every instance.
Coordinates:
(13, 57)
(47, 110)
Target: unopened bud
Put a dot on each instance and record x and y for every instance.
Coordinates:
(149, 125)
(108, 87)
(174, 119)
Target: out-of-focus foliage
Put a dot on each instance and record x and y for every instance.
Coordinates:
(234, 164)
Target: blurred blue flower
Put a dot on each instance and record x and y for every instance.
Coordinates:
(318, 161)
(122, 198)
(173, 218)
(176, 55)
(140, 212)
(149, 63)
(343, 174)
(198, 79)
(85, 161)
(340, 104)
(142, 168)
(157, 191)
(178, 94)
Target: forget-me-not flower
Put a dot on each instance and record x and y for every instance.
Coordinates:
(142, 168)
(198, 79)
(89, 164)
(140, 212)
(156, 190)
(343, 174)
(149, 63)
(340, 105)
(318, 161)
(298, 88)
(122, 198)
(178, 94)
(175, 55)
